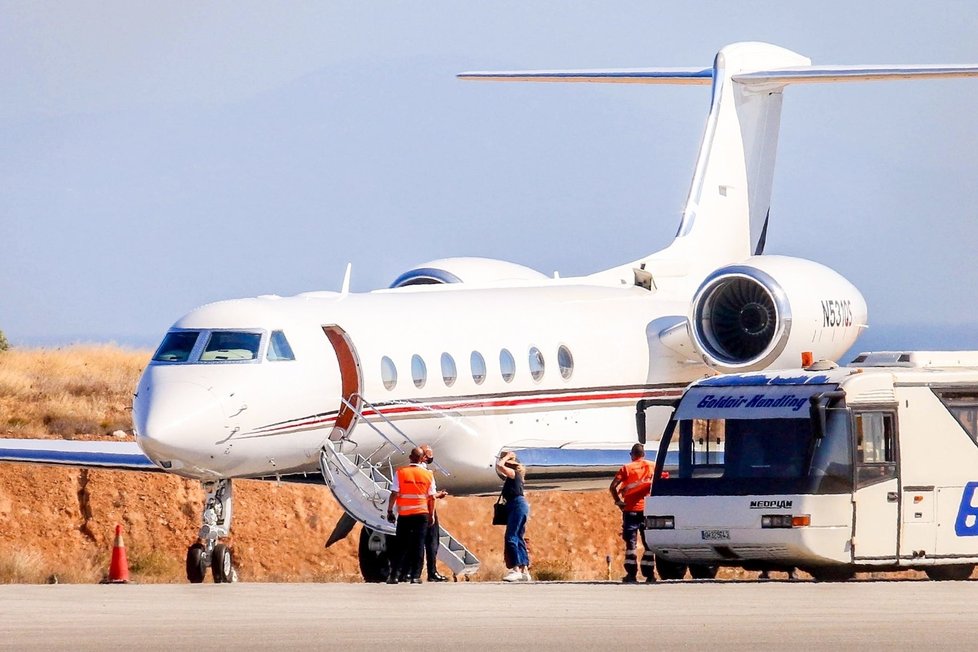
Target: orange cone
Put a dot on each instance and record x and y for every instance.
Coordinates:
(119, 567)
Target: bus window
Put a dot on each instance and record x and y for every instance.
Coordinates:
(759, 456)
(963, 405)
(875, 437)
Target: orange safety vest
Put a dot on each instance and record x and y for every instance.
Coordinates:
(635, 481)
(414, 485)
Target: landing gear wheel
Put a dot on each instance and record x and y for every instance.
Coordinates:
(221, 567)
(832, 573)
(375, 565)
(703, 571)
(669, 570)
(196, 568)
(951, 572)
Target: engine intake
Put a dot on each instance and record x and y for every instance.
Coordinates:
(470, 270)
(741, 317)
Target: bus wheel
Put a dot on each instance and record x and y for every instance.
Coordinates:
(950, 572)
(669, 570)
(832, 573)
(703, 571)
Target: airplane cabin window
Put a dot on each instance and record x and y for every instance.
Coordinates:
(278, 348)
(176, 346)
(388, 372)
(565, 361)
(419, 372)
(231, 346)
(507, 365)
(478, 364)
(537, 365)
(448, 370)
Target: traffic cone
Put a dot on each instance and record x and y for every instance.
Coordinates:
(119, 567)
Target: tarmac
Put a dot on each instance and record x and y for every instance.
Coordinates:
(492, 616)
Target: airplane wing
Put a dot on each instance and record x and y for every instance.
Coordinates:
(121, 455)
(573, 465)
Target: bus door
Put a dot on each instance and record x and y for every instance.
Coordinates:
(876, 501)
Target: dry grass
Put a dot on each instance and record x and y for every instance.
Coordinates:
(552, 570)
(68, 392)
(19, 566)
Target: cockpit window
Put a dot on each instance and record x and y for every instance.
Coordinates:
(278, 347)
(177, 346)
(231, 345)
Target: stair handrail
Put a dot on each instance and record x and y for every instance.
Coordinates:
(359, 413)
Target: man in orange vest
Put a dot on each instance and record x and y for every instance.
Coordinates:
(629, 489)
(413, 493)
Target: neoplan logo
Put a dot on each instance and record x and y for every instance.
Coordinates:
(770, 504)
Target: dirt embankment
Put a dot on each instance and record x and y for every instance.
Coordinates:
(60, 523)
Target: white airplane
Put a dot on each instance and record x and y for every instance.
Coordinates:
(475, 356)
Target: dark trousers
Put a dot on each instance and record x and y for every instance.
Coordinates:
(515, 552)
(411, 532)
(632, 526)
(431, 546)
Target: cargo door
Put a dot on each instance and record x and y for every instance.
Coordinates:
(876, 502)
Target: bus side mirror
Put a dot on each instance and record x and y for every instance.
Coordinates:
(818, 406)
(816, 411)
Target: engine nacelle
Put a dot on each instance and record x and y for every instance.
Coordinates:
(467, 270)
(767, 310)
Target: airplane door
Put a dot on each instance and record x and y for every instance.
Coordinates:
(877, 496)
(351, 381)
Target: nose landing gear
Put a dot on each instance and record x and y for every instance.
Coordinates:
(215, 525)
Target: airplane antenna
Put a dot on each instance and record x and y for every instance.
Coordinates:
(345, 290)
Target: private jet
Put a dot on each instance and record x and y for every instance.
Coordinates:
(477, 356)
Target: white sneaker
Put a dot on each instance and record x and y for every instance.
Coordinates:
(526, 576)
(513, 576)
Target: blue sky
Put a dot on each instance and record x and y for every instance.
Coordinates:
(158, 157)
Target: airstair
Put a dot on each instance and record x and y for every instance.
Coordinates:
(361, 484)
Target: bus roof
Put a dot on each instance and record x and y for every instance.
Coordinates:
(900, 363)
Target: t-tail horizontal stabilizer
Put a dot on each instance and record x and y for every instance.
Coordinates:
(726, 213)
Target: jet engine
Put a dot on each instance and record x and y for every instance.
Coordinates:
(467, 270)
(767, 310)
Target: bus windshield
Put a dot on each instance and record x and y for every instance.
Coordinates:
(727, 451)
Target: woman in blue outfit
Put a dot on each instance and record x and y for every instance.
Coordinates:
(517, 558)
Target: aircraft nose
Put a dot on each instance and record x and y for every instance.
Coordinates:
(176, 420)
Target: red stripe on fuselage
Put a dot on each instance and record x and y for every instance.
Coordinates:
(395, 409)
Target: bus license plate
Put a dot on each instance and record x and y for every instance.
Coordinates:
(715, 535)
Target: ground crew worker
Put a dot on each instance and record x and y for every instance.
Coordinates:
(413, 493)
(629, 489)
(431, 541)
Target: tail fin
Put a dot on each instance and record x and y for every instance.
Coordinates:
(726, 214)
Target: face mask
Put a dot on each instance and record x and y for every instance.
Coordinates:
(430, 460)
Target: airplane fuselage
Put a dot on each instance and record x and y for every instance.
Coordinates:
(468, 370)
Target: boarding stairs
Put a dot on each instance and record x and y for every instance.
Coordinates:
(361, 484)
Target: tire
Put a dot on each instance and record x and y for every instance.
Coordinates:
(196, 569)
(221, 564)
(703, 571)
(950, 572)
(669, 570)
(375, 565)
(832, 573)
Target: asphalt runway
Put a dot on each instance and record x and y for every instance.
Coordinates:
(492, 616)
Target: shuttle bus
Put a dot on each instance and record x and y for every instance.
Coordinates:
(833, 470)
